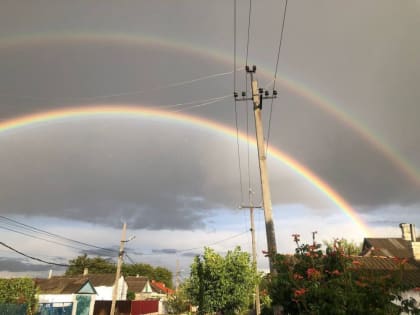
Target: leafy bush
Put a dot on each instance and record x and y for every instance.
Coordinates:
(314, 282)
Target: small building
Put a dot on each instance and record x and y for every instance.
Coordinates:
(140, 286)
(66, 293)
(386, 255)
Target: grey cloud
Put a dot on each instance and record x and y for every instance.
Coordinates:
(156, 175)
(16, 265)
(165, 251)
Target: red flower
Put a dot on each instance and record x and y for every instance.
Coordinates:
(297, 276)
(313, 273)
(336, 272)
(299, 292)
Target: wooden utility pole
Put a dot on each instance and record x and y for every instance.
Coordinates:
(117, 275)
(258, 94)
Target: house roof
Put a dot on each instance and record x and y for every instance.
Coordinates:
(136, 284)
(410, 269)
(61, 285)
(161, 288)
(72, 284)
(390, 247)
(99, 280)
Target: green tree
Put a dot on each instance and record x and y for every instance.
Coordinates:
(95, 265)
(160, 274)
(18, 291)
(348, 247)
(221, 283)
(178, 303)
(313, 282)
(100, 265)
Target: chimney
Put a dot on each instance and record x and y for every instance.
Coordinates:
(85, 271)
(50, 274)
(408, 232)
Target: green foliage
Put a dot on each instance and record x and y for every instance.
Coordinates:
(131, 295)
(348, 247)
(95, 265)
(178, 303)
(18, 291)
(313, 282)
(221, 283)
(99, 265)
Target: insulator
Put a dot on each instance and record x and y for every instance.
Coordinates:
(274, 92)
(235, 94)
(243, 93)
(266, 93)
(260, 90)
(254, 68)
(247, 68)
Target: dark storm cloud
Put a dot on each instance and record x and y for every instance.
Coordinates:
(16, 265)
(155, 176)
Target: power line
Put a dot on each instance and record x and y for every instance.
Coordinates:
(138, 92)
(33, 258)
(246, 85)
(216, 100)
(275, 72)
(40, 238)
(235, 103)
(217, 242)
(49, 234)
(249, 30)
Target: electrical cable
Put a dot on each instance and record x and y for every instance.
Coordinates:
(40, 238)
(49, 234)
(275, 74)
(217, 242)
(235, 102)
(202, 104)
(246, 84)
(158, 88)
(33, 258)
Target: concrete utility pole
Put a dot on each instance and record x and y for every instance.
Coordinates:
(117, 275)
(254, 256)
(258, 94)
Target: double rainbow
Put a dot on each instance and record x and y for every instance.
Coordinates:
(145, 112)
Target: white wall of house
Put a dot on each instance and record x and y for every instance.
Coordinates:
(105, 293)
(56, 298)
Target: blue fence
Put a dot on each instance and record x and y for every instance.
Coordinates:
(13, 309)
(55, 309)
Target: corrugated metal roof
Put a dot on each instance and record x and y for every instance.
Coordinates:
(391, 247)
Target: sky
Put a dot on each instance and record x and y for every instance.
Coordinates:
(167, 160)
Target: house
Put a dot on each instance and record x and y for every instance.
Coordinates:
(140, 286)
(386, 255)
(408, 246)
(148, 291)
(67, 291)
(160, 288)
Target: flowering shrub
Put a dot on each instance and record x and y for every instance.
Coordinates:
(330, 282)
